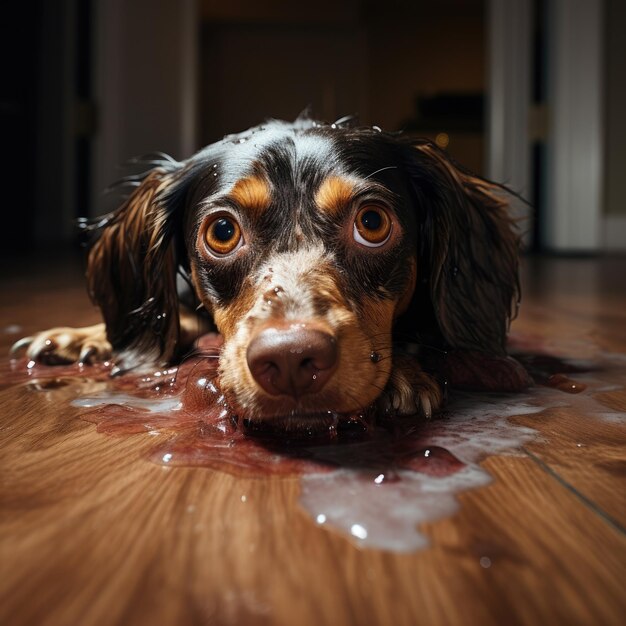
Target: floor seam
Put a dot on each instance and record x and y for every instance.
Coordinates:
(584, 499)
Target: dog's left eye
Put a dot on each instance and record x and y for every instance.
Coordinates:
(372, 226)
(223, 234)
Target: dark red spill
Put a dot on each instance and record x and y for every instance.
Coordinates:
(563, 383)
(528, 363)
(184, 409)
(18, 371)
(434, 461)
(475, 371)
(549, 370)
(202, 431)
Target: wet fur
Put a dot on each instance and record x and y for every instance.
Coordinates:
(450, 279)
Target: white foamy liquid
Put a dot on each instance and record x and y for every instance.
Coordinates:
(159, 405)
(385, 516)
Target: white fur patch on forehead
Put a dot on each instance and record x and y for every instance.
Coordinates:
(292, 276)
(314, 146)
(250, 143)
(235, 155)
(242, 152)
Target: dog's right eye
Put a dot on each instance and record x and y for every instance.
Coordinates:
(222, 235)
(372, 226)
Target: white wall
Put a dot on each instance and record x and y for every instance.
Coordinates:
(575, 174)
(146, 66)
(509, 95)
(615, 171)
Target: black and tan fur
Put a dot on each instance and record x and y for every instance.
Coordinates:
(446, 277)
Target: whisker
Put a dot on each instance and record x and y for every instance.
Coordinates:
(346, 120)
(199, 354)
(382, 169)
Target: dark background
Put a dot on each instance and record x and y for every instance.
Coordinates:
(88, 84)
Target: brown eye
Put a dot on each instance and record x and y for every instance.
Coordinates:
(372, 226)
(223, 234)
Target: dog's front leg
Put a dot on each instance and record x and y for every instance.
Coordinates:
(90, 344)
(64, 344)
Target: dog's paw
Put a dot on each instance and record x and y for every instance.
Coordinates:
(411, 391)
(66, 345)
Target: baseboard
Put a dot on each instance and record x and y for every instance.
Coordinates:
(614, 239)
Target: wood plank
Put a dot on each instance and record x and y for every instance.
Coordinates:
(93, 533)
(121, 539)
(583, 320)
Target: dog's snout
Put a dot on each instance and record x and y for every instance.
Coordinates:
(292, 361)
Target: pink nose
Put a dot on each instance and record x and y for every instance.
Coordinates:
(292, 361)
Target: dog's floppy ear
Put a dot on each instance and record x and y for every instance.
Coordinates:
(469, 250)
(132, 267)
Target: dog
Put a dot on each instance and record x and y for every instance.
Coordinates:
(320, 252)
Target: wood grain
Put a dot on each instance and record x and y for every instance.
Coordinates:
(92, 533)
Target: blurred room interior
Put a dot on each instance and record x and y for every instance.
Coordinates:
(527, 92)
(531, 93)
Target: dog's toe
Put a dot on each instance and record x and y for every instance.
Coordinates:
(24, 342)
(411, 391)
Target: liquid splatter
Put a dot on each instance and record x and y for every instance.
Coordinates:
(369, 477)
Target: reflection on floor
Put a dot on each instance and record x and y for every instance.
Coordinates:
(545, 509)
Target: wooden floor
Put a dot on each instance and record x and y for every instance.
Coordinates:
(93, 534)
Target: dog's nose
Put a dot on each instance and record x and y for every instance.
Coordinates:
(292, 361)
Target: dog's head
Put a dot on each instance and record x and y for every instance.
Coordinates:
(308, 244)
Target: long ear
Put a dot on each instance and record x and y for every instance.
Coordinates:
(131, 273)
(470, 249)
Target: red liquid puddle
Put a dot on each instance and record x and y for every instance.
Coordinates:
(207, 434)
(475, 371)
(367, 475)
(186, 405)
(18, 371)
(550, 371)
(563, 383)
